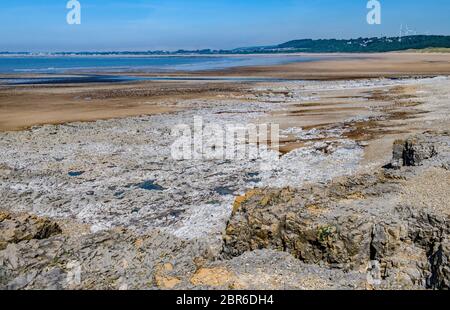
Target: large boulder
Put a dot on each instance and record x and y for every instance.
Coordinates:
(415, 150)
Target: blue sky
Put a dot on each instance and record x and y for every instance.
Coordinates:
(40, 25)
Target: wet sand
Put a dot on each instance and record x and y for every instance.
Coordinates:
(342, 66)
(391, 65)
(25, 106)
(22, 107)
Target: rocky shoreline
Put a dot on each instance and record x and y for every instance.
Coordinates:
(359, 222)
(101, 205)
(355, 232)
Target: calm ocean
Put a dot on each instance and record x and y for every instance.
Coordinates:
(86, 64)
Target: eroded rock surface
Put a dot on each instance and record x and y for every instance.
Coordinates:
(25, 227)
(119, 259)
(360, 232)
(415, 150)
(114, 259)
(297, 226)
(356, 223)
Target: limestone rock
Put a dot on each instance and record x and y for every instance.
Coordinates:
(415, 150)
(355, 223)
(25, 227)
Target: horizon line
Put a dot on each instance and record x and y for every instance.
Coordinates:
(179, 50)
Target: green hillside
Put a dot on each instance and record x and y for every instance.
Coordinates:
(365, 45)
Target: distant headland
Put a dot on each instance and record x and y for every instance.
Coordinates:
(359, 45)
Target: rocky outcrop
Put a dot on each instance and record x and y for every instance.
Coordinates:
(25, 227)
(119, 259)
(40, 258)
(417, 149)
(354, 223)
(404, 244)
(358, 232)
(440, 266)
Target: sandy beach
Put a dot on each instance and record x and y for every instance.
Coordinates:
(25, 106)
(344, 66)
(354, 66)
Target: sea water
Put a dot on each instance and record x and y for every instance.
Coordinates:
(105, 64)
